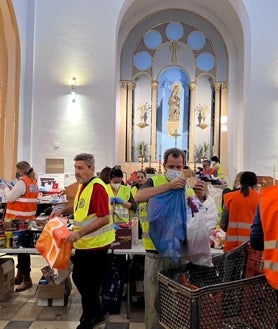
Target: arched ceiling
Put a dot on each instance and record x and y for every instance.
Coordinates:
(224, 14)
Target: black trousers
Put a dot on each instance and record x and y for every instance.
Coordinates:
(89, 270)
(24, 263)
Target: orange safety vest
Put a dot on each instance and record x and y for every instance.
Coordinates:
(269, 212)
(241, 215)
(24, 207)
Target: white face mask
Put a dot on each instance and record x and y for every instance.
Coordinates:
(116, 186)
(172, 174)
(213, 163)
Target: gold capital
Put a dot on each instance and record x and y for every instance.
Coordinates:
(130, 85)
(192, 85)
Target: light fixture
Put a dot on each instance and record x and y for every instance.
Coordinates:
(224, 123)
(224, 120)
(73, 89)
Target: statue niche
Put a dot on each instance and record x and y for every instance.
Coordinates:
(143, 113)
(173, 123)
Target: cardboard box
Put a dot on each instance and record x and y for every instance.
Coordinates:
(51, 295)
(123, 239)
(54, 166)
(51, 302)
(6, 277)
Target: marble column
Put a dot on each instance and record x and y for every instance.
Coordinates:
(130, 89)
(224, 126)
(216, 136)
(191, 148)
(153, 146)
(122, 122)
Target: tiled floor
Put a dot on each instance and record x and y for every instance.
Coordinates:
(20, 311)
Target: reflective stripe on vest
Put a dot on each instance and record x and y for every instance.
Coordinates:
(27, 200)
(95, 233)
(268, 211)
(86, 222)
(103, 236)
(271, 265)
(237, 238)
(100, 231)
(121, 213)
(240, 217)
(25, 207)
(235, 230)
(20, 213)
(273, 244)
(239, 225)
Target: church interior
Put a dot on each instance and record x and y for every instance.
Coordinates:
(125, 80)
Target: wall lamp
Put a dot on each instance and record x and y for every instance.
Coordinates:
(73, 89)
(224, 123)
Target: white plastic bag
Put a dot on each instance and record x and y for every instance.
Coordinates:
(211, 213)
(216, 194)
(197, 249)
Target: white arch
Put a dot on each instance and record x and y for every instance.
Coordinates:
(228, 17)
(187, 17)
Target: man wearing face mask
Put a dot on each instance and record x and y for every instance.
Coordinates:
(174, 162)
(121, 204)
(22, 205)
(92, 236)
(121, 199)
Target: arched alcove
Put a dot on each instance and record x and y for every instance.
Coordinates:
(162, 46)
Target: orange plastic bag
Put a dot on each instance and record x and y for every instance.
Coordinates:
(52, 243)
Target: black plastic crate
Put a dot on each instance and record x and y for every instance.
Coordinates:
(199, 297)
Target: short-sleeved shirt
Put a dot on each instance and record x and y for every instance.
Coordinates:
(99, 203)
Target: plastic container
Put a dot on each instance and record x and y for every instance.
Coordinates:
(2, 242)
(15, 243)
(8, 239)
(199, 297)
(135, 230)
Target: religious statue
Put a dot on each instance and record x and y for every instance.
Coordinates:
(202, 111)
(174, 102)
(143, 113)
(173, 123)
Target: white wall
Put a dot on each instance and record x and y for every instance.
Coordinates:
(24, 11)
(72, 38)
(79, 38)
(261, 110)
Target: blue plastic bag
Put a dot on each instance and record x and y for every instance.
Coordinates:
(167, 219)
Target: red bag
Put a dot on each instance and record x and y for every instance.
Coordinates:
(52, 243)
